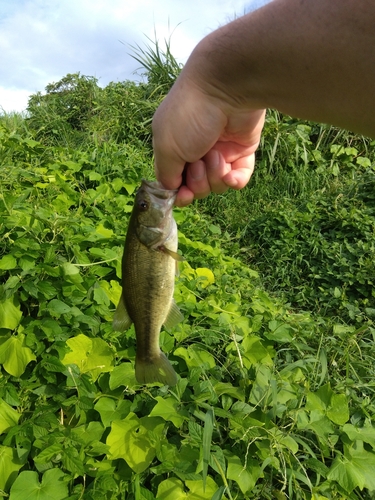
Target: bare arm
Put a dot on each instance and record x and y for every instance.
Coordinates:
(314, 59)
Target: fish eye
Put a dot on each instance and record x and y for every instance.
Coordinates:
(143, 205)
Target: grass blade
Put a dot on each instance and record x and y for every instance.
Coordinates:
(206, 442)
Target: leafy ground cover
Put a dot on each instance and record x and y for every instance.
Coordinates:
(275, 398)
(309, 218)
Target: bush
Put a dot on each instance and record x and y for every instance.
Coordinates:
(75, 111)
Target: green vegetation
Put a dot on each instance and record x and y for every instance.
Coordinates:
(275, 355)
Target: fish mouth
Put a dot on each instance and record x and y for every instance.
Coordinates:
(155, 226)
(155, 188)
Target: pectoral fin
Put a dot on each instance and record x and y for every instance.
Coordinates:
(174, 317)
(121, 319)
(176, 256)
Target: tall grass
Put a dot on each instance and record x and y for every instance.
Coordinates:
(13, 121)
(158, 64)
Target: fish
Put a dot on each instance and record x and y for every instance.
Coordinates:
(149, 266)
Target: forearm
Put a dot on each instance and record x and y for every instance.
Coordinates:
(314, 59)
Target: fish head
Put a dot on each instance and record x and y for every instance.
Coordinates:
(153, 213)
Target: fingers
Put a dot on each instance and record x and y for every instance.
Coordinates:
(214, 174)
(196, 179)
(216, 169)
(205, 176)
(183, 131)
(241, 172)
(184, 197)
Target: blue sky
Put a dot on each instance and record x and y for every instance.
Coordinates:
(43, 40)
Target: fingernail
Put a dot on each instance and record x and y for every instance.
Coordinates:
(212, 159)
(197, 171)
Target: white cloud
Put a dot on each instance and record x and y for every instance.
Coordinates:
(13, 99)
(41, 41)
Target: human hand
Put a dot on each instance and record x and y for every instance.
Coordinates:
(207, 137)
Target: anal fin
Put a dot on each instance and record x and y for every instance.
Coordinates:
(174, 316)
(121, 319)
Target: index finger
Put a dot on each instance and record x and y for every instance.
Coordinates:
(168, 169)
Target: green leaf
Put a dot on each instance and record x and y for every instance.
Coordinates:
(10, 314)
(117, 184)
(322, 427)
(219, 493)
(171, 489)
(261, 387)
(335, 406)
(338, 410)
(195, 432)
(206, 275)
(195, 356)
(319, 400)
(199, 491)
(104, 253)
(9, 464)
(226, 388)
(109, 410)
(131, 440)
(13, 281)
(90, 355)
(346, 474)
(101, 297)
(72, 462)
(365, 433)
(123, 374)
(26, 262)
(280, 332)
(103, 231)
(364, 461)
(112, 289)
(363, 161)
(255, 352)
(57, 308)
(317, 466)
(245, 477)
(130, 188)
(71, 273)
(46, 289)
(169, 409)
(14, 356)
(47, 454)
(88, 433)
(8, 262)
(28, 487)
(72, 165)
(290, 443)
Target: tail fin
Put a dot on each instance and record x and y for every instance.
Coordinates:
(157, 370)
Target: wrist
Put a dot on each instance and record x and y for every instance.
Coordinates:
(222, 66)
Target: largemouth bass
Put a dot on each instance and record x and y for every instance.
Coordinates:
(148, 271)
